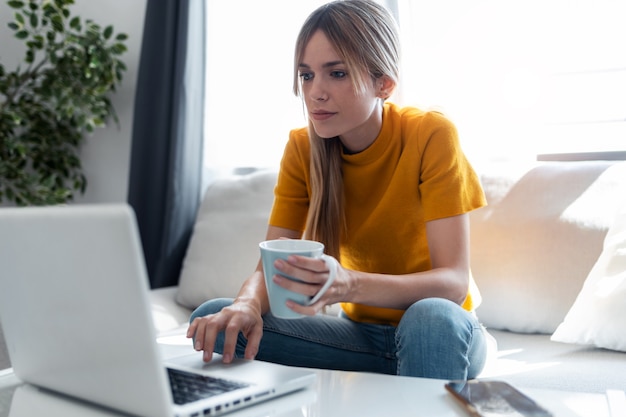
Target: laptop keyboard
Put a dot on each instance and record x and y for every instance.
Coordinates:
(188, 387)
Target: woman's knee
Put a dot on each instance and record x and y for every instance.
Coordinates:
(433, 313)
(434, 339)
(210, 307)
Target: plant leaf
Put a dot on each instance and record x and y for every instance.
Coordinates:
(118, 49)
(75, 23)
(22, 34)
(34, 20)
(16, 4)
(57, 23)
(108, 31)
(20, 19)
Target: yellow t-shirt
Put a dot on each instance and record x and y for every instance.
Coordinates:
(414, 172)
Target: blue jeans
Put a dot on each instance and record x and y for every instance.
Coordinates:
(436, 338)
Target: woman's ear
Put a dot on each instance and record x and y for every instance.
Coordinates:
(385, 86)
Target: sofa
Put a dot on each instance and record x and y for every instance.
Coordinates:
(548, 254)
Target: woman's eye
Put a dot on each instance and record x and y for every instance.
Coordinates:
(306, 76)
(338, 74)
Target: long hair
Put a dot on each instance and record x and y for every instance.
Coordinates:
(366, 37)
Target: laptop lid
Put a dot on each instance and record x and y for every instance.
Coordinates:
(76, 317)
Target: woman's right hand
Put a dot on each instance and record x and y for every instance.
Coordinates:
(242, 316)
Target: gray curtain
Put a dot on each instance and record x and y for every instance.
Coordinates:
(166, 154)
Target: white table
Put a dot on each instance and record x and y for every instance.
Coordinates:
(334, 394)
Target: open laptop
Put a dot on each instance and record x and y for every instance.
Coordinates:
(75, 313)
(28, 400)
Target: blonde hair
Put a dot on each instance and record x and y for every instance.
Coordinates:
(366, 37)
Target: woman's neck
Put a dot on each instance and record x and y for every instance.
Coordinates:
(363, 136)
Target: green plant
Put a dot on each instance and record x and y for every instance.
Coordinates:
(53, 100)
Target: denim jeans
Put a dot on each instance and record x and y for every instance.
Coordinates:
(436, 338)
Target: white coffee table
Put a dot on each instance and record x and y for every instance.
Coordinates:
(334, 394)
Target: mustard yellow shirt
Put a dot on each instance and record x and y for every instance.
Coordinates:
(414, 172)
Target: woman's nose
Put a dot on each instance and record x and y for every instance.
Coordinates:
(318, 90)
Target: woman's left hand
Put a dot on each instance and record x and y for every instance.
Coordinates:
(313, 274)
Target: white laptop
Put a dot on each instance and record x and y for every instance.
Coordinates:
(28, 401)
(75, 313)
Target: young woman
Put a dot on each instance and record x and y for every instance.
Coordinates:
(387, 190)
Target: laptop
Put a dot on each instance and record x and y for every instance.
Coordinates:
(28, 401)
(76, 317)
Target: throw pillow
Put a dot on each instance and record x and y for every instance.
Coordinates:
(597, 316)
(223, 250)
(533, 246)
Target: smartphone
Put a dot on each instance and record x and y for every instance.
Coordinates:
(483, 398)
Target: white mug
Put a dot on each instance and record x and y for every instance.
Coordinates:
(271, 250)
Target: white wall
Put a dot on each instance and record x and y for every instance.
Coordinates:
(106, 153)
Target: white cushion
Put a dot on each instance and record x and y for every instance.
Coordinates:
(534, 244)
(223, 250)
(598, 315)
(167, 314)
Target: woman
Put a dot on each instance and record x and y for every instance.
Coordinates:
(387, 190)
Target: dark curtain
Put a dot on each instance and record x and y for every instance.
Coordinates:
(166, 153)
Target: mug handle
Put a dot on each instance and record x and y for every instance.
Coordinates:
(331, 263)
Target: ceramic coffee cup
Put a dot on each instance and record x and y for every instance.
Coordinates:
(271, 250)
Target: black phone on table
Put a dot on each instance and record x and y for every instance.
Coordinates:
(484, 398)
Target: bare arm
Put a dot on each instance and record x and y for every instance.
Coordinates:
(244, 315)
(448, 241)
(253, 290)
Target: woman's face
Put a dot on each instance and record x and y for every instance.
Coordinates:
(333, 106)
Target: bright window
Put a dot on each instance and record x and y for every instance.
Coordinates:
(518, 78)
(250, 104)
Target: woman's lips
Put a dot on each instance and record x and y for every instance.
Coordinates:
(321, 115)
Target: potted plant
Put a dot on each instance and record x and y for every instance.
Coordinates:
(56, 97)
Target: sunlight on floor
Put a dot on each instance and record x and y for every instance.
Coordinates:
(501, 366)
(175, 338)
(580, 405)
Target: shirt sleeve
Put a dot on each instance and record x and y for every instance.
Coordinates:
(449, 185)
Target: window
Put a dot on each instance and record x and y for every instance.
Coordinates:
(518, 78)
(250, 104)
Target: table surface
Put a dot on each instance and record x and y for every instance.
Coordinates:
(334, 393)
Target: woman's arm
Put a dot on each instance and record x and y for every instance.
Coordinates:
(448, 241)
(253, 289)
(244, 315)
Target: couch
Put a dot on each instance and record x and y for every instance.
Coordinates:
(548, 254)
